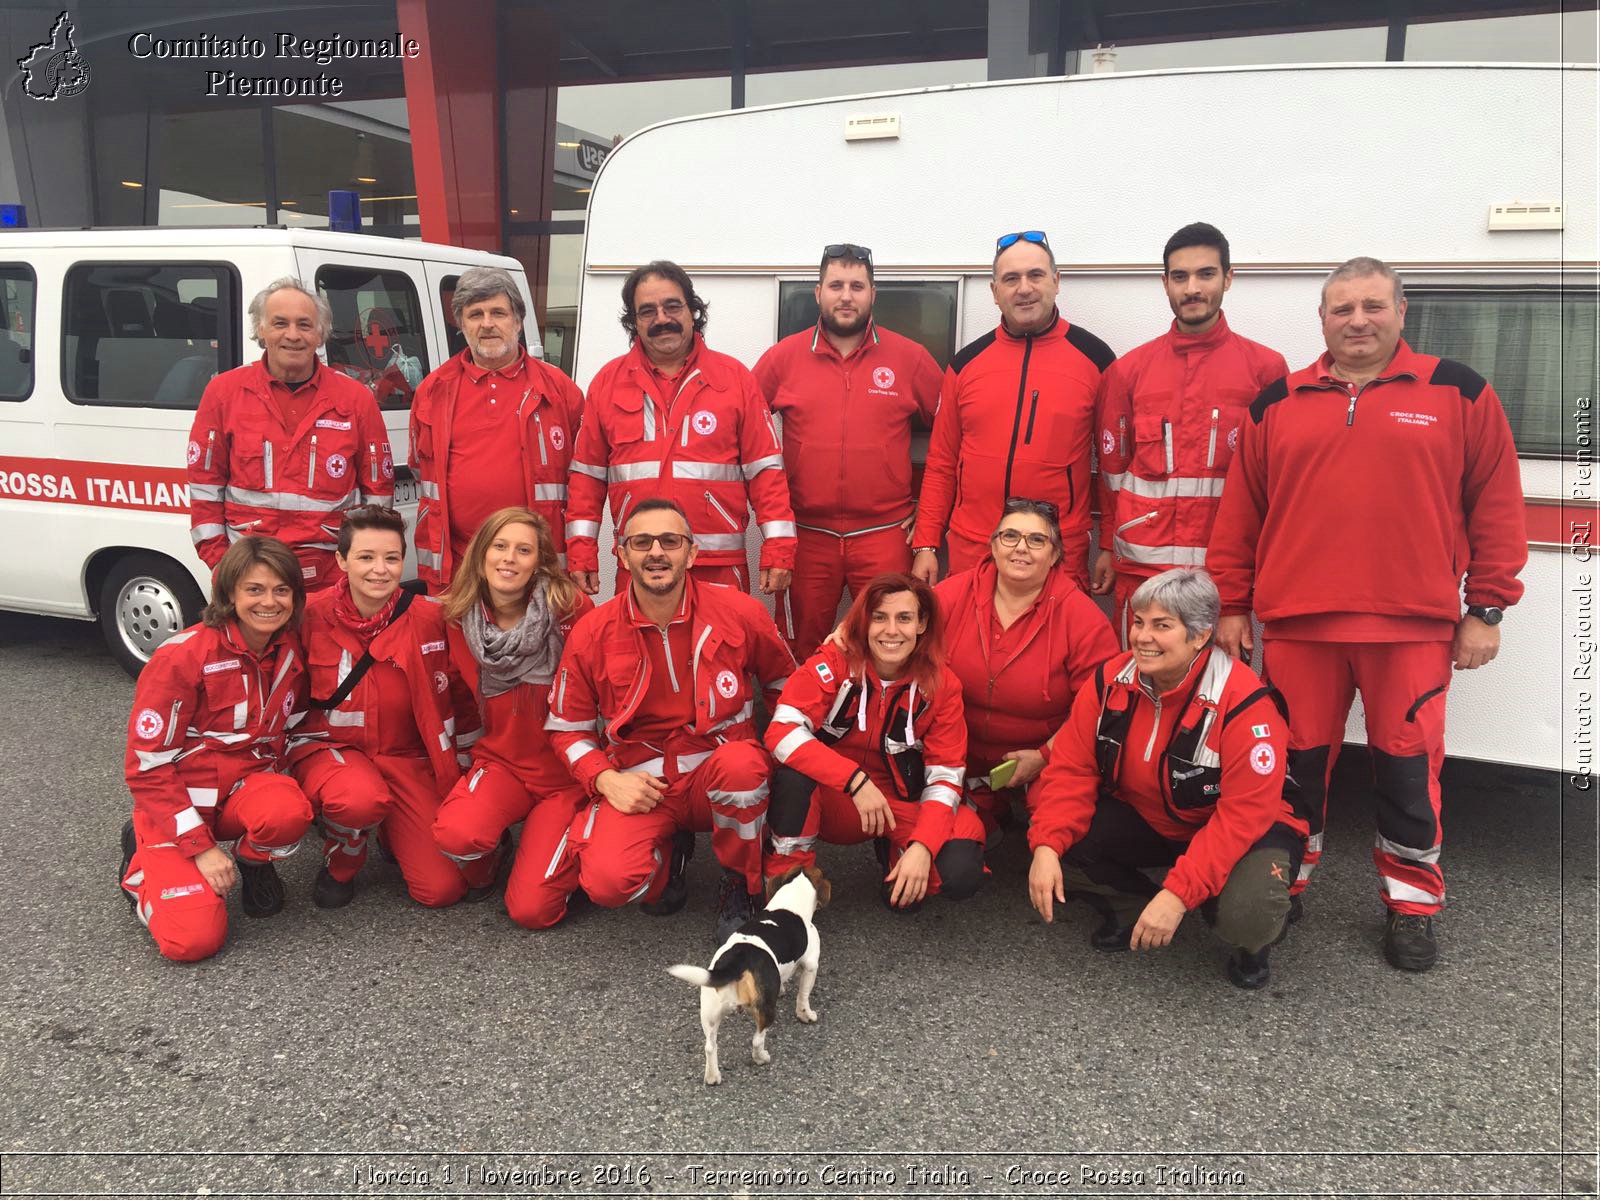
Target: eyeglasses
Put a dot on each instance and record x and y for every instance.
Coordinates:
(848, 250)
(1010, 537)
(672, 308)
(641, 542)
(1006, 240)
(1026, 504)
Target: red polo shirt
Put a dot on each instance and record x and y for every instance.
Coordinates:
(483, 439)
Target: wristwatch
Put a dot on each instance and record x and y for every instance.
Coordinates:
(1489, 615)
(919, 549)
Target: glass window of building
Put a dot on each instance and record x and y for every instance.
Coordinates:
(778, 87)
(16, 331)
(1537, 348)
(377, 336)
(923, 310)
(208, 167)
(148, 335)
(321, 147)
(1537, 37)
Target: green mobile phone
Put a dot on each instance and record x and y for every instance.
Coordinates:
(1000, 777)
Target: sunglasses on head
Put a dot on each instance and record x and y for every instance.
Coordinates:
(1028, 504)
(1006, 240)
(848, 250)
(640, 543)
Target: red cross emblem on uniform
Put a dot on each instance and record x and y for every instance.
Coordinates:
(377, 341)
(883, 377)
(1262, 759)
(704, 422)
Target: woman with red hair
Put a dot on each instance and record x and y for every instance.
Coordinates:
(871, 742)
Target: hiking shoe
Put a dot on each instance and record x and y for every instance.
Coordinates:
(676, 894)
(1296, 910)
(1250, 971)
(735, 905)
(1112, 936)
(262, 892)
(1408, 941)
(329, 892)
(130, 846)
(502, 870)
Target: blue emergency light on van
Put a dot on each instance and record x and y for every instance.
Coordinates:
(13, 216)
(344, 211)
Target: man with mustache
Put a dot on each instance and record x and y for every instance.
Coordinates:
(848, 391)
(674, 419)
(652, 710)
(492, 428)
(1167, 417)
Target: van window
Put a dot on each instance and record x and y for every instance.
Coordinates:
(377, 335)
(149, 335)
(923, 310)
(16, 331)
(1537, 347)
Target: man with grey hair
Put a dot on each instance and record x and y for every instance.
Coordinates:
(1365, 487)
(491, 428)
(282, 446)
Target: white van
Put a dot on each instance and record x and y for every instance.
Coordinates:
(1477, 182)
(107, 339)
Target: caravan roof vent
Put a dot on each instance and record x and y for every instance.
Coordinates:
(1520, 215)
(880, 125)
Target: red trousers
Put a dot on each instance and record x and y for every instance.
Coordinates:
(833, 818)
(266, 812)
(1403, 687)
(487, 801)
(824, 564)
(964, 555)
(355, 795)
(620, 857)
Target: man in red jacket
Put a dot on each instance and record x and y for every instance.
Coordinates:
(652, 708)
(1365, 485)
(282, 447)
(478, 447)
(848, 392)
(1015, 418)
(673, 418)
(1168, 417)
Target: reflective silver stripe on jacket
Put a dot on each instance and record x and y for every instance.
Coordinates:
(790, 715)
(721, 472)
(748, 831)
(206, 491)
(557, 725)
(1176, 556)
(772, 462)
(589, 469)
(1179, 486)
(338, 718)
(427, 558)
(201, 533)
(578, 529)
(791, 742)
(429, 490)
(625, 472)
(792, 845)
(578, 749)
(775, 529)
(290, 501)
(549, 491)
(719, 541)
(689, 762)
(203, 797)
(738, 799)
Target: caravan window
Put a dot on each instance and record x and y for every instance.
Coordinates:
(16, 331)
(923, 310)
(148, 335)
(377, 335)
(1537, 347)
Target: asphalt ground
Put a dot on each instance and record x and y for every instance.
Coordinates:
(384, 1049)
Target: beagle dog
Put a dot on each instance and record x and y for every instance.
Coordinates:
(749, 969)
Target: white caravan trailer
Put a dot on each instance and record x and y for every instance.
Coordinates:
(107, 339)
(1477, 182)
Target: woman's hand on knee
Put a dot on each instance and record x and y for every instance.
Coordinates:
(216, 867)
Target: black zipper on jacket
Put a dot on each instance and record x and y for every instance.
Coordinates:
(1016, 421)
(1033, 409)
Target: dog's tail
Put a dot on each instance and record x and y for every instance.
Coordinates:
(698, 976)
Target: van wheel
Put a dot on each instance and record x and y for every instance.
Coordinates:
(144, 601)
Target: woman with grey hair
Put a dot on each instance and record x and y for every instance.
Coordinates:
(1172, 759)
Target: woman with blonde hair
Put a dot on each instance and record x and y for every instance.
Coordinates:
(509, 610)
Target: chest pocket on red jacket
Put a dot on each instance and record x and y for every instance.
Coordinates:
(227, 702)
(1193, 768)
(622, 670)
(326, 460)
(636, 421)
(1152, 437)
(1222, 431)
(707, 428)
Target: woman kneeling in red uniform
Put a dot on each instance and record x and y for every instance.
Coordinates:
(379, 746)
(511, 607)
(205, 755)
(871, 743)
(1173, 758)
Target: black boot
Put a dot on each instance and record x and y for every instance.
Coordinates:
(262, 893)
(502, 869)
(130, 846)
(329, 892)
(1409, 942)
(1250, 971)
(676, 894)
(1111, 935)
(735, 905)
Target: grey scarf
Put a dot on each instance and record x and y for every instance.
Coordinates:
(526, 653)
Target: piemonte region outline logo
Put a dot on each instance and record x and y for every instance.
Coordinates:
(55, 68)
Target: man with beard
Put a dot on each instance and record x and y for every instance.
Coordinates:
(1168, 418)
(1015, 419)
(652, 709)
(673, 418)
(478, 447)
(848, 391)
